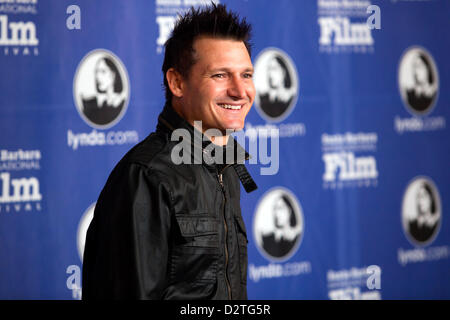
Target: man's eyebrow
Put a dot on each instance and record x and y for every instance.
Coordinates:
(225, 69)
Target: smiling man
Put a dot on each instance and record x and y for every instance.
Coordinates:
(219, 89)
(165, 230)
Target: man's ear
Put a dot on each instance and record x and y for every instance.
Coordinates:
(176, 82)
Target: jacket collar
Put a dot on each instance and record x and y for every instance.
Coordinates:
(169, 120)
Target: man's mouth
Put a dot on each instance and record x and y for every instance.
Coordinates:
(230, 106)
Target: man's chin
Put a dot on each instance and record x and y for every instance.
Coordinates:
(232, 129)
(235, 125)
(228, 128)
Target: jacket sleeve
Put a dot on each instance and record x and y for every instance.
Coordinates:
(127, 243)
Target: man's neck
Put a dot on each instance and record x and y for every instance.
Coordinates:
(218, 140)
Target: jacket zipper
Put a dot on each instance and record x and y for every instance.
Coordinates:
(219, 175)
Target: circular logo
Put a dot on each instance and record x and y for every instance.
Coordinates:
(418, 80)
(83, 226)
(276, 84)
(421, 211)
(101, 89)
(278, 224)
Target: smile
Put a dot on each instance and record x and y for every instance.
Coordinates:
(229, 106)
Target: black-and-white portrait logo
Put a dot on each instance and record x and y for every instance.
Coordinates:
(278, 224)
(101, 89)
(421, 211)
(418, 80)
(83, 226)
(276, 83)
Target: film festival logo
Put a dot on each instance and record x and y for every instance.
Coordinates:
(346, 26)
(101, 94)
(278, 225)
(19, 192)
(18, 37)
(349, 160)
(355, 283)
(418, 84)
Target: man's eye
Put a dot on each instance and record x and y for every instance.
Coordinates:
(219, 75)
(248, 75)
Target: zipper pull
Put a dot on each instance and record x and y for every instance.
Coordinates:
(220, 179)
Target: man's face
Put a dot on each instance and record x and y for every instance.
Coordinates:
(219, 89)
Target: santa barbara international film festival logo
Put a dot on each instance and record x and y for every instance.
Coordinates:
(418, 84)
(349, 160)
(278, 229)
(355, 283)
(101, 94)
(20, 189)
(421, 219)
(346, 26)
(18, 36)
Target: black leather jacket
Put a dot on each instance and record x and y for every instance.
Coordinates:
(166, 231)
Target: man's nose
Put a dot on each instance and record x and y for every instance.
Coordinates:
(237, 88)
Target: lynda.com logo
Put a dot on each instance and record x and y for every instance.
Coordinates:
(278, 225)
(101, 89)
(421, 211)
(276, 84)
(418, 80)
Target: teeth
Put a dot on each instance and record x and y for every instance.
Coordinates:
(229, 106)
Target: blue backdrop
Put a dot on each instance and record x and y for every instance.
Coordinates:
(355, 148)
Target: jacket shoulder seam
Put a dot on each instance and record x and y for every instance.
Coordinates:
(151, 171)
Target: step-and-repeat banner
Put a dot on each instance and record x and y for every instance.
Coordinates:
(354, 206)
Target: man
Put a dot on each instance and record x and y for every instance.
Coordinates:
(167, 231)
